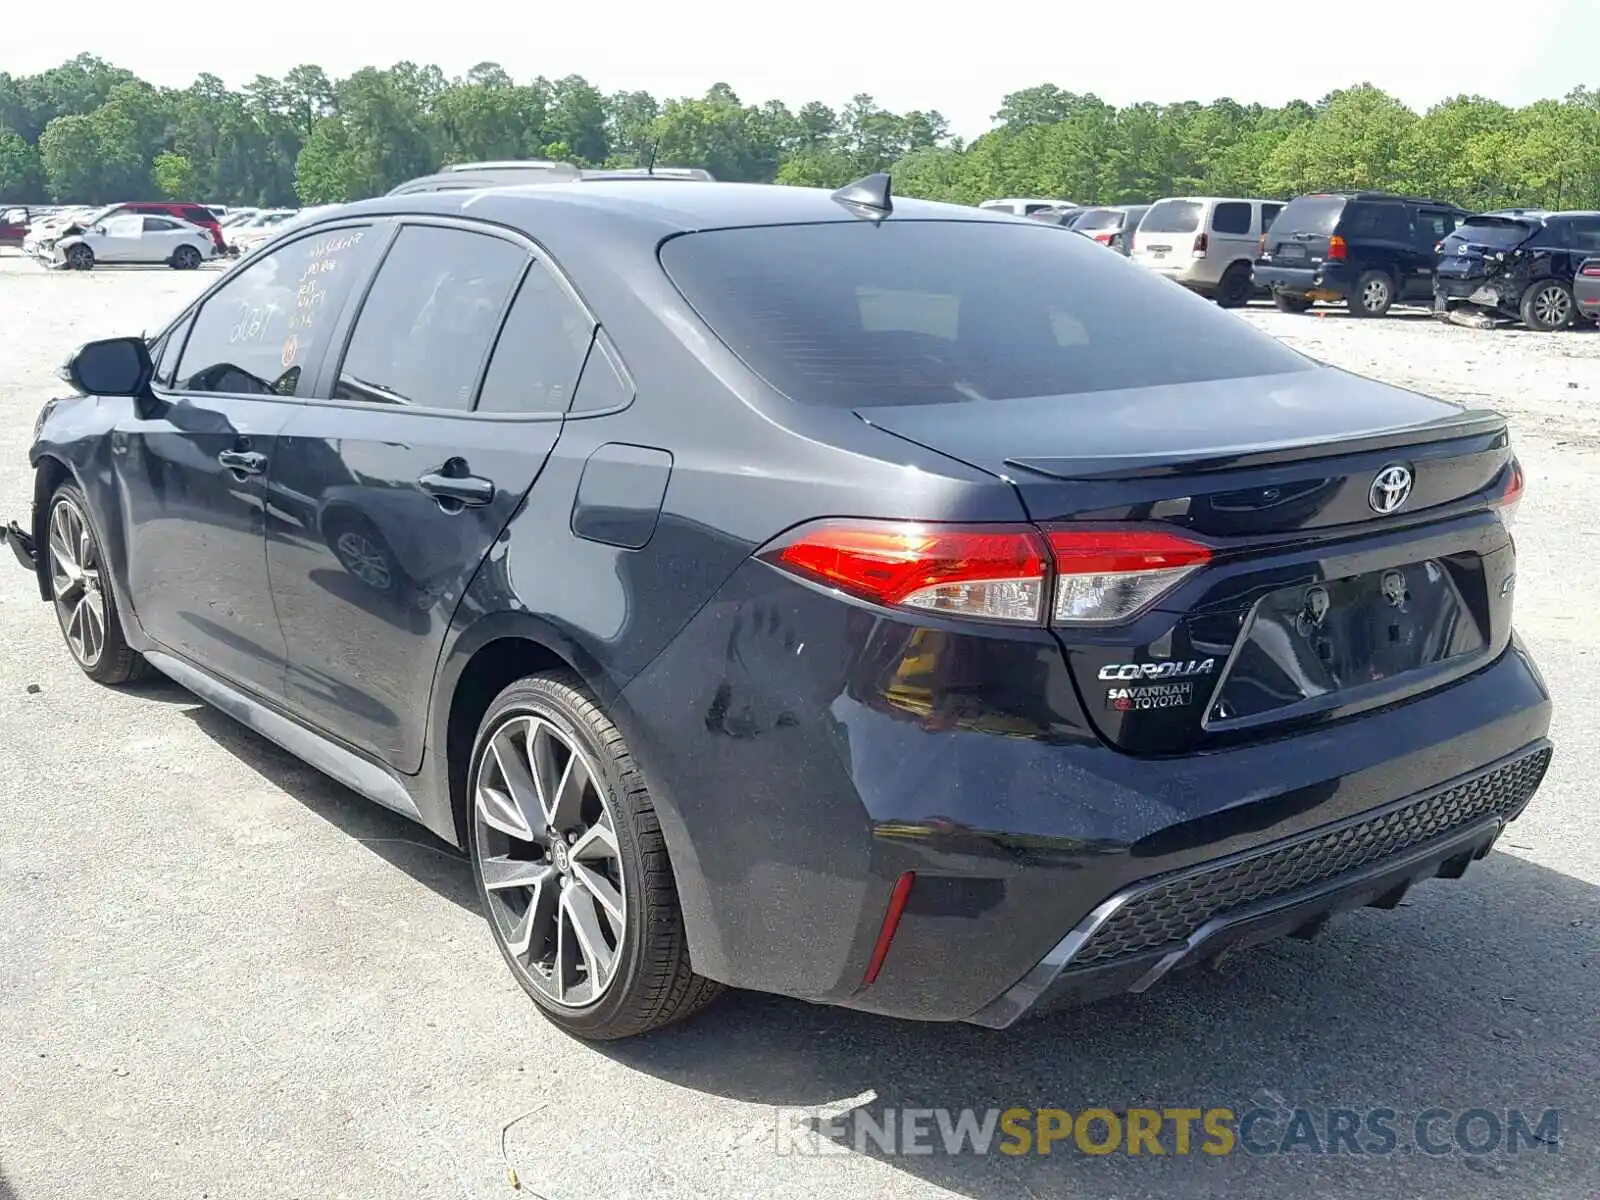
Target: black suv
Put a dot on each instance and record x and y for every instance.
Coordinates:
(1370, 250)
(1522, 267)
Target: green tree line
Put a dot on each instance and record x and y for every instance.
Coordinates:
(88, 131)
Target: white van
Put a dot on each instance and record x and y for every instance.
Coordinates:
(1207, 243)
(1025, 207)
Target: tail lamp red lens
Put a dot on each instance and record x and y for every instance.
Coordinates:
(994, 573)
(1336, 247)
(1104, 238)
(1201, 244)
(1591, 270)
(1506, 503)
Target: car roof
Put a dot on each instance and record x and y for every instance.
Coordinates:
(655, 208)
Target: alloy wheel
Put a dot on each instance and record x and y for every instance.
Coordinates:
(75, 583)
(365, 561)
(1552, 306)
(1375, 295)
(547, 850)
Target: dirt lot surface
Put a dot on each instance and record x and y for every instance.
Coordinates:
(223, 975)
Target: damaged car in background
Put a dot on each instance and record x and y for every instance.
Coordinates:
(1520, 268)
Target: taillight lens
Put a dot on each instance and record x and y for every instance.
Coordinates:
(1200, 244)
(992, 573)
(1506, 503)
(1110, 575)
(1104, 238)
(1261, 247)
(1336, 247)
(995, 573)
(1591, 270)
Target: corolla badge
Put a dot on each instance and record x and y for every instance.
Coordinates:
(1391, 487)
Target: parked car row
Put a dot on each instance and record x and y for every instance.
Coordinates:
(1366, 250)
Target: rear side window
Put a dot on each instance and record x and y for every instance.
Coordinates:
(1172, 216)
(849, 314)
(540, 351)
(430, 318)
(263, 328)
(198, 215)
(1434, 224)
(1376, 222)
(1583, 234)
(159, 225)
(1231, 216)
(1316, 215)
(1269, 214)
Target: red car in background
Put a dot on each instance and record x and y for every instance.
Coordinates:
(13, 225)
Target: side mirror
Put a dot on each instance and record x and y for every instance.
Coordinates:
(113, 367)
(100, 229)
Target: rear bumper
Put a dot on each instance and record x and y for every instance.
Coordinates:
(1291, 887)
(1328, 281)
(1490, 293)
(804, 756)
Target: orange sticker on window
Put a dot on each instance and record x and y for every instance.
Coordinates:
(291, 347)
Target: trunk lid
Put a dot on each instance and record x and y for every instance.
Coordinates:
(1315, 603)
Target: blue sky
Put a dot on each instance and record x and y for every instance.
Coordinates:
(959, 60)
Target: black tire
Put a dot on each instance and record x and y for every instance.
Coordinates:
(1236, 286)
(1548, 306)
(80, 257)
(1373, 295)
(1290, 303)
(108, 659)
(652, 983)
(185, 258)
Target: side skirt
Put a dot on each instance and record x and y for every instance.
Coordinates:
(354, 772)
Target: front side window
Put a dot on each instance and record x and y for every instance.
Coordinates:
(850, 314)
(263, 328)
(123, 226)
(540, 350)
(429, 319)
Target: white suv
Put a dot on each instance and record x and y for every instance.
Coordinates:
(1022, 207)
(1206, 243)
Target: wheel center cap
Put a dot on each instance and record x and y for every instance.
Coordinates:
(559, 853)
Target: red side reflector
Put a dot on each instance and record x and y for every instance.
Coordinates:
(891, 922)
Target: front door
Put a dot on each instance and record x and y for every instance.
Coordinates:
(193, 468)
(394, 490)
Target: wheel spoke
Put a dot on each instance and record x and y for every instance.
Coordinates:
(530, 929)
(583, 920)
(599, 841)
(501, 873)
(607, 896)
(514, 806)
(561, 787)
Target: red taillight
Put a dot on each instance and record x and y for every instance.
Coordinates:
(1336, 247)
(1104, 238)
(997, 573)
(1591, 269)
(1110, 575)
(891, 922)
(1506, 503)
(1261, 247)
(1200, 244)
(993, 573)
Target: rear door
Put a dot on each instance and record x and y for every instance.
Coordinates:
(446, 401)
(1430, 227)
(161, 238)
(1235, 232)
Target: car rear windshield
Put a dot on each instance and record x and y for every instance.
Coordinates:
(1494, 233)
(848, 314)
(1172, 216)
(1311, 214)
(1098, 218)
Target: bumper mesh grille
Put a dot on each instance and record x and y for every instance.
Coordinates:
(1170, 912)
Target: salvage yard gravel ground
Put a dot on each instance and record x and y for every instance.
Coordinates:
(222, 974)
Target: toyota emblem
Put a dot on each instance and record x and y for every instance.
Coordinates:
(1391, 487)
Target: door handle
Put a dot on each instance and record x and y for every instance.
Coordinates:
(244, 462)
(454, 492)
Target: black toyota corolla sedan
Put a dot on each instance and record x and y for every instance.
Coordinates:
(883, 603)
